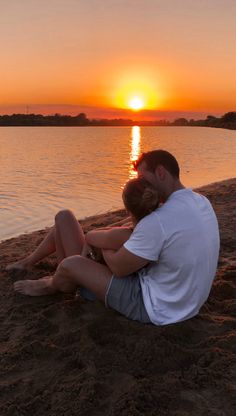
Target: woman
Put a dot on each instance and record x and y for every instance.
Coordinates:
(68, 240)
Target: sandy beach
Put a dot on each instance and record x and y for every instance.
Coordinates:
(62, 356)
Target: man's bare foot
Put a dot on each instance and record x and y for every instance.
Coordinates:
(39, 287)
(18, 266)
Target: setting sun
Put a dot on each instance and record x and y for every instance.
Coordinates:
(136, 90)
(136, 104)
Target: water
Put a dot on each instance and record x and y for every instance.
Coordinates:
(45, 169)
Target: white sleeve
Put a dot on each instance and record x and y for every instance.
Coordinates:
(147, 239)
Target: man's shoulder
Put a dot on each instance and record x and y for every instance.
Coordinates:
(151, 218)
(202, 199)
(187, 195)
(150, 224)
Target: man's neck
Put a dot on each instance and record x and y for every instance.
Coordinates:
(173, 187)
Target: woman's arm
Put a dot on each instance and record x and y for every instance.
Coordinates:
(126, 222)
(113, 238)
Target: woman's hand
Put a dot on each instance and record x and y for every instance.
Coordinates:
(87, 251)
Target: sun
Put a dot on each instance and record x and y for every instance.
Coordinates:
(136, 103)
(135, 91)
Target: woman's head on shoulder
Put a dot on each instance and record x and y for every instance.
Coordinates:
(140, 198)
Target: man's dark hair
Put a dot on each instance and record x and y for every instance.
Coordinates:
(159, 157)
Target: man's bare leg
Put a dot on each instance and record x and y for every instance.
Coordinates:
(38, 287)
(72, 272)
(66, 238)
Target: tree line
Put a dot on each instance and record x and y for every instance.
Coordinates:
(227, 121)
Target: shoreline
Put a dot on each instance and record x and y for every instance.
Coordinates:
(125, 125)
(117, 212)
(64, 356)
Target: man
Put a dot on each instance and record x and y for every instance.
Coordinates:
(164, 272)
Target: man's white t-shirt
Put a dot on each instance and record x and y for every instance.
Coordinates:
(181, 240)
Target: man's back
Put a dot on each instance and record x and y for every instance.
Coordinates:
(181, 239)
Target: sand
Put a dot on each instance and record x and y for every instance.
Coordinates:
(61, 356)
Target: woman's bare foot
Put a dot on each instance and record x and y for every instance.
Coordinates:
(18, 266)
(39, 287)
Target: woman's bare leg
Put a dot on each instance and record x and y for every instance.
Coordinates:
(69, 235)
(66, 238)
(45, 248)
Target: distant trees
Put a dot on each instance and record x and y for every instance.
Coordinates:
(229, 117)
(211, 118)
(180, 122)
(40, 120)
(227, 121)
(81, 119)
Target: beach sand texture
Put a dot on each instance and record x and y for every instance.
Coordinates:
(61, 356)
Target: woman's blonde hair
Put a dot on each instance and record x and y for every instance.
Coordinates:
(140, 197)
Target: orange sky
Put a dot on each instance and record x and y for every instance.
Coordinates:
(69, 56)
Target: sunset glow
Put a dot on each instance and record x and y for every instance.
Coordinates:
(111, 58)
(136, 89)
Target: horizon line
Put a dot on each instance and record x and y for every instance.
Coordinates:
(95, 112)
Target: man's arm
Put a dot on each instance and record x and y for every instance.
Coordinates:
(112, 238)
(123, 262)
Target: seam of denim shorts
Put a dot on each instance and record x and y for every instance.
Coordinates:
(108, 288)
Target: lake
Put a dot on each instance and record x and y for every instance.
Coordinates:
(46, 169)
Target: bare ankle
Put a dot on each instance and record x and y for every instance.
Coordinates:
(29, 261)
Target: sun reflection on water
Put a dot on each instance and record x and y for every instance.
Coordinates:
(135, 149)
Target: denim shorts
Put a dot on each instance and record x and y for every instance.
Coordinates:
(124, 294)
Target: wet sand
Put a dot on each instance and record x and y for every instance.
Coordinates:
(62, 356)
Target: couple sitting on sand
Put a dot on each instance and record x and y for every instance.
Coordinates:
(158, 270)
